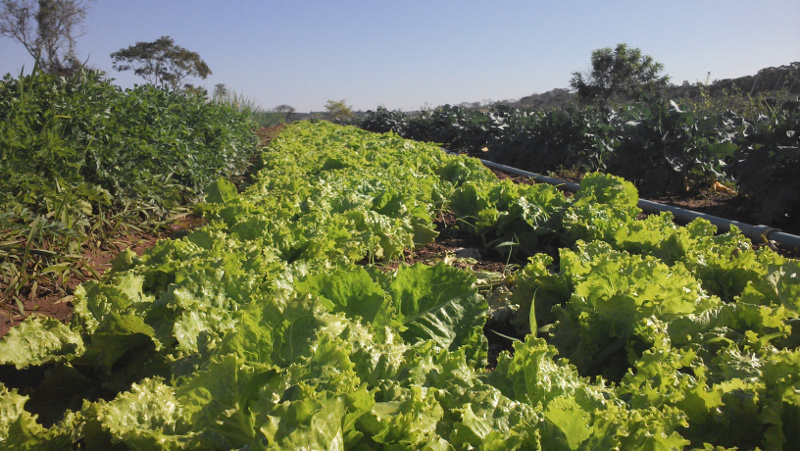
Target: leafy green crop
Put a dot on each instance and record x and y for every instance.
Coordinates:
(508, 216)
(271, 328)
(82, 158)
(658, 145)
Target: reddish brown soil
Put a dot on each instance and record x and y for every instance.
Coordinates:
(266, 134)
(53, 298)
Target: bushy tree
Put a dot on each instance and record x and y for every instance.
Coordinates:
(220, 92)
(47, 29)
(286, 110)
(161, 62)
(339, 110)
(619, 72)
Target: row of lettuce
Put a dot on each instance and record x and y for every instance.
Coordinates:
(83, 159)
(278, 326)
(660, 145)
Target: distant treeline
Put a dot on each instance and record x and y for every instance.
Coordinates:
(768, 81)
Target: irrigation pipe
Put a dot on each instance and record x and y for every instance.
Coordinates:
(757, 233)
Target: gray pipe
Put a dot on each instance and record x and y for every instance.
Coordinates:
(757, 233)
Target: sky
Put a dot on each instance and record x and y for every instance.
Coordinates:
(405, 55)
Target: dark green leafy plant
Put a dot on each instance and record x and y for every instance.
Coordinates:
(382, 120)
(768, 166)
(662, 146)
(80, 157)
(665, 149)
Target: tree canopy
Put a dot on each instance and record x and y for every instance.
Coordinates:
(339, 109)
(46, 28)
(286, 110)
(220, 92)
(619, 72)
(161, 62)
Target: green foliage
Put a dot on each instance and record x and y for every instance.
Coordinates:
(248, 106)
(768, 163)
(339, 110)
(83, 158)
(268, 328)
(287, 111)
(602, 205)
(509, 217)
(40, 340)
(161, 62)
(659, 145)
(664, 148)
(382, 120)
(738, 94)
(620, 72)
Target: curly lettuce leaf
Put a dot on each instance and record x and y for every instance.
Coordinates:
(354, 293)
(438, 303)
(39, 340)
(779, 286)
(620, 301)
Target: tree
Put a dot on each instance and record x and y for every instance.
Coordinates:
(619, 72)
(286, 110)
(220, 92)
(161, 62)
(339, 110)
(46, 28)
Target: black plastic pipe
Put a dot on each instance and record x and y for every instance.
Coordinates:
(757, 233)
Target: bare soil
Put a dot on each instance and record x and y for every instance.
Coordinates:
(54, 299)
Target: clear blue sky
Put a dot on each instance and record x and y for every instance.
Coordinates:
(406, 54)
